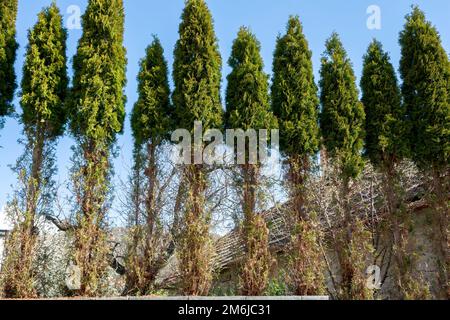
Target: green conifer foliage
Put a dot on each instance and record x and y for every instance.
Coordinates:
(342, 117)
(294, 94)
(45, 81)
(196, 97)
(248, 107)
(342, 125)
(385, 147)
(44, 88)
(385, 116)
(197, 69)
(98, 100)
(425, 71)
(96, 116)
(150, 122)
(8, 48)
(296, 104)
(247, 96)
(150, 119)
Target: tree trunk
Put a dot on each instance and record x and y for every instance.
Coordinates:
(34, 184)
(441, 204)
(91, 247)
(403, 274)
(150, 174)
(347, 269)
(21, 245)
(250, 174)
(257, 261)
(195, 250)
(306, 265)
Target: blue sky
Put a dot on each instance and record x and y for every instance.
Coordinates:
(266, 18)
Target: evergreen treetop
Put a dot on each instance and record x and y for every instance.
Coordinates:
(151, 115)
(247, 96)
(8, 49)
(385, 116)
(44, 82)
(294, 93)
(197, 69)
(97, 97)
(342, 118)
(425, 71)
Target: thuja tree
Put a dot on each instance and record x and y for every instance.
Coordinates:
(425, 70)
(44, 88)
(296, 104)
(342, 126)
(248, 108)
(8, 48)
(96, 117)
(386, 147)
(196, 97)
(151, 123)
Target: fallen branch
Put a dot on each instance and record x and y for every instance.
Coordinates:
(62, 225)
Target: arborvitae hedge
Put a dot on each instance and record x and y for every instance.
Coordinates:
(197, 69)
(342, 124)
(296, 104)
(97, 107)
(294, 93)
(425, 70)
(385, 116)
(342, 118)
(386, 146)
(44, 87)
(248, 107)
(247, 96)
(45, 80)
(150, 122)
(196, 97)
(97, 113)
(8, 48)
(151, 115)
